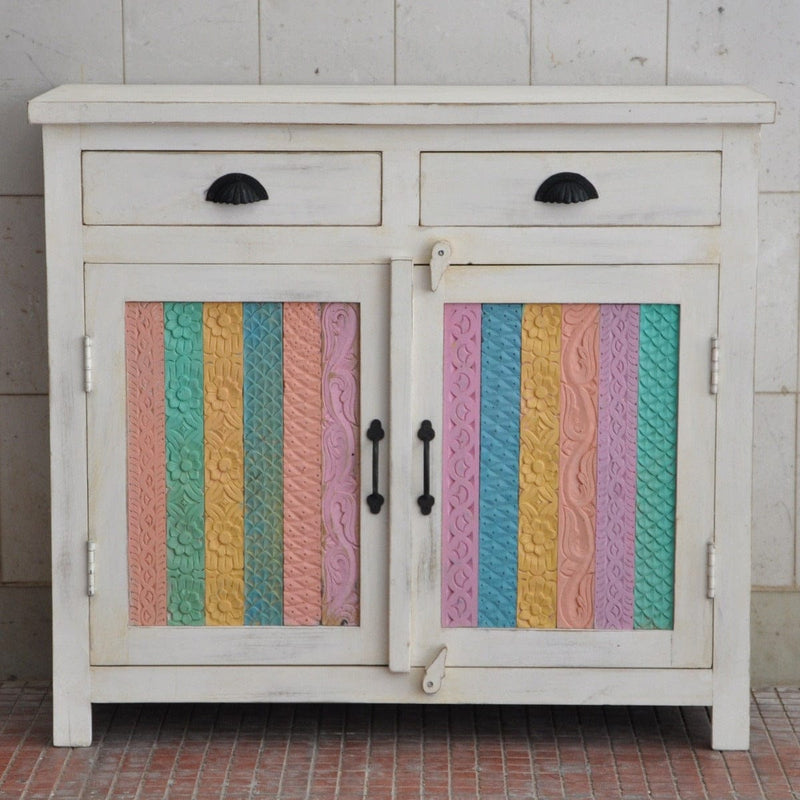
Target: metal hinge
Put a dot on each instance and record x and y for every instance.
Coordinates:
(91, 547)
(714, 382)
(434, 674)
(87, 364)
(711, 557)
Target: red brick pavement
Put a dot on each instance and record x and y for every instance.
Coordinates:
(317, 752)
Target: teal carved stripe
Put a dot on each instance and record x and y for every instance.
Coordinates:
(656, 466)
(499, 465)
(263, 463)
(183, 379)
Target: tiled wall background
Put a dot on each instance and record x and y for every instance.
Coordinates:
(44, 43)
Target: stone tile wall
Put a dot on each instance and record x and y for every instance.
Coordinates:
(44, 43)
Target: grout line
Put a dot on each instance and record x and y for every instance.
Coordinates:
(666, 46)
(122, 35)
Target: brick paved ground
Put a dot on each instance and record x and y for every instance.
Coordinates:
(289, 752)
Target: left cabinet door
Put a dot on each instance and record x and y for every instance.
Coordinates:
(229, 464)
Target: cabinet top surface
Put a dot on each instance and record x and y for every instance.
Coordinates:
(402, 105)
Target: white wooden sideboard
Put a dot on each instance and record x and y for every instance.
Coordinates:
(522, 316)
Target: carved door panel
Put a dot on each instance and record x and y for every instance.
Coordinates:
(229, 463)
(572, 468)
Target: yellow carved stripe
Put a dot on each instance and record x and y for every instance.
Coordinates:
(540, 377)
(224, 462)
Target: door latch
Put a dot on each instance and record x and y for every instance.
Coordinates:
(434, 674)
(440, 261)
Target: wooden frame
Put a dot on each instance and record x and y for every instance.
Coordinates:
(397, 125)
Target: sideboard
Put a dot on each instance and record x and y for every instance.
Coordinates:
(401, 394)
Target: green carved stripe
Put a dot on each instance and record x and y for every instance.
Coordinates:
(263, 463)
(656, 467)
(183, 377)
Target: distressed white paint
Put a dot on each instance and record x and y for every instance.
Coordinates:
(401, 322)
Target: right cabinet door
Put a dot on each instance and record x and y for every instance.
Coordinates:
(572, 469)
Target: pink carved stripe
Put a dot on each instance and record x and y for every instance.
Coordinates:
(340, 475)
(577, 465)
(302, 464)
(461, 463)
(616, 466)
(147, 506)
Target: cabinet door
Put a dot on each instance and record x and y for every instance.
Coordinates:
(229, 464)
(572, 467)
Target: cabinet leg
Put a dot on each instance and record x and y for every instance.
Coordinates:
(730, 724)
(72, 723)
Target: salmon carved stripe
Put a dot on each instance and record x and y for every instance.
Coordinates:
(302, 570)
(147, 511)
(577, 465)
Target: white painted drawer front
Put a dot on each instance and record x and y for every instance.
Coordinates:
(157, 188)
(485, 189)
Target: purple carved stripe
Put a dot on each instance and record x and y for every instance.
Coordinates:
(461, 461)
(340, 479)
(616, 466)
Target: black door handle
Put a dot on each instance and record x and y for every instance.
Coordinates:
(426, 434)
(375, 434)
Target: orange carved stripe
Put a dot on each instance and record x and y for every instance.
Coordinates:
(223, 381)
(302, 471)
(540, 358)
(577, 484)
(147, 504)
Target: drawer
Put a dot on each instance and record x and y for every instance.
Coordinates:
(483, 189)
(169, 188)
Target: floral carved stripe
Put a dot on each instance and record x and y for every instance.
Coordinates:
(577, 482)
(263, 463)
(616, 466)
(340, 464)
(147, 510)
(461, 462)
(540, 377)
(302, 464)
(656, 469)
(224, 462)
(499, 464)
(183, 370)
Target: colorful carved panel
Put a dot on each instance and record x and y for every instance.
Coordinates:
(243, 463)
(575, 467)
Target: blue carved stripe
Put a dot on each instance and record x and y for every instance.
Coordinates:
(499, 465)
(263, 463)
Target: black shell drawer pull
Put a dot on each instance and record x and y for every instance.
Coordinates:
(566, 187)
(237, 189)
